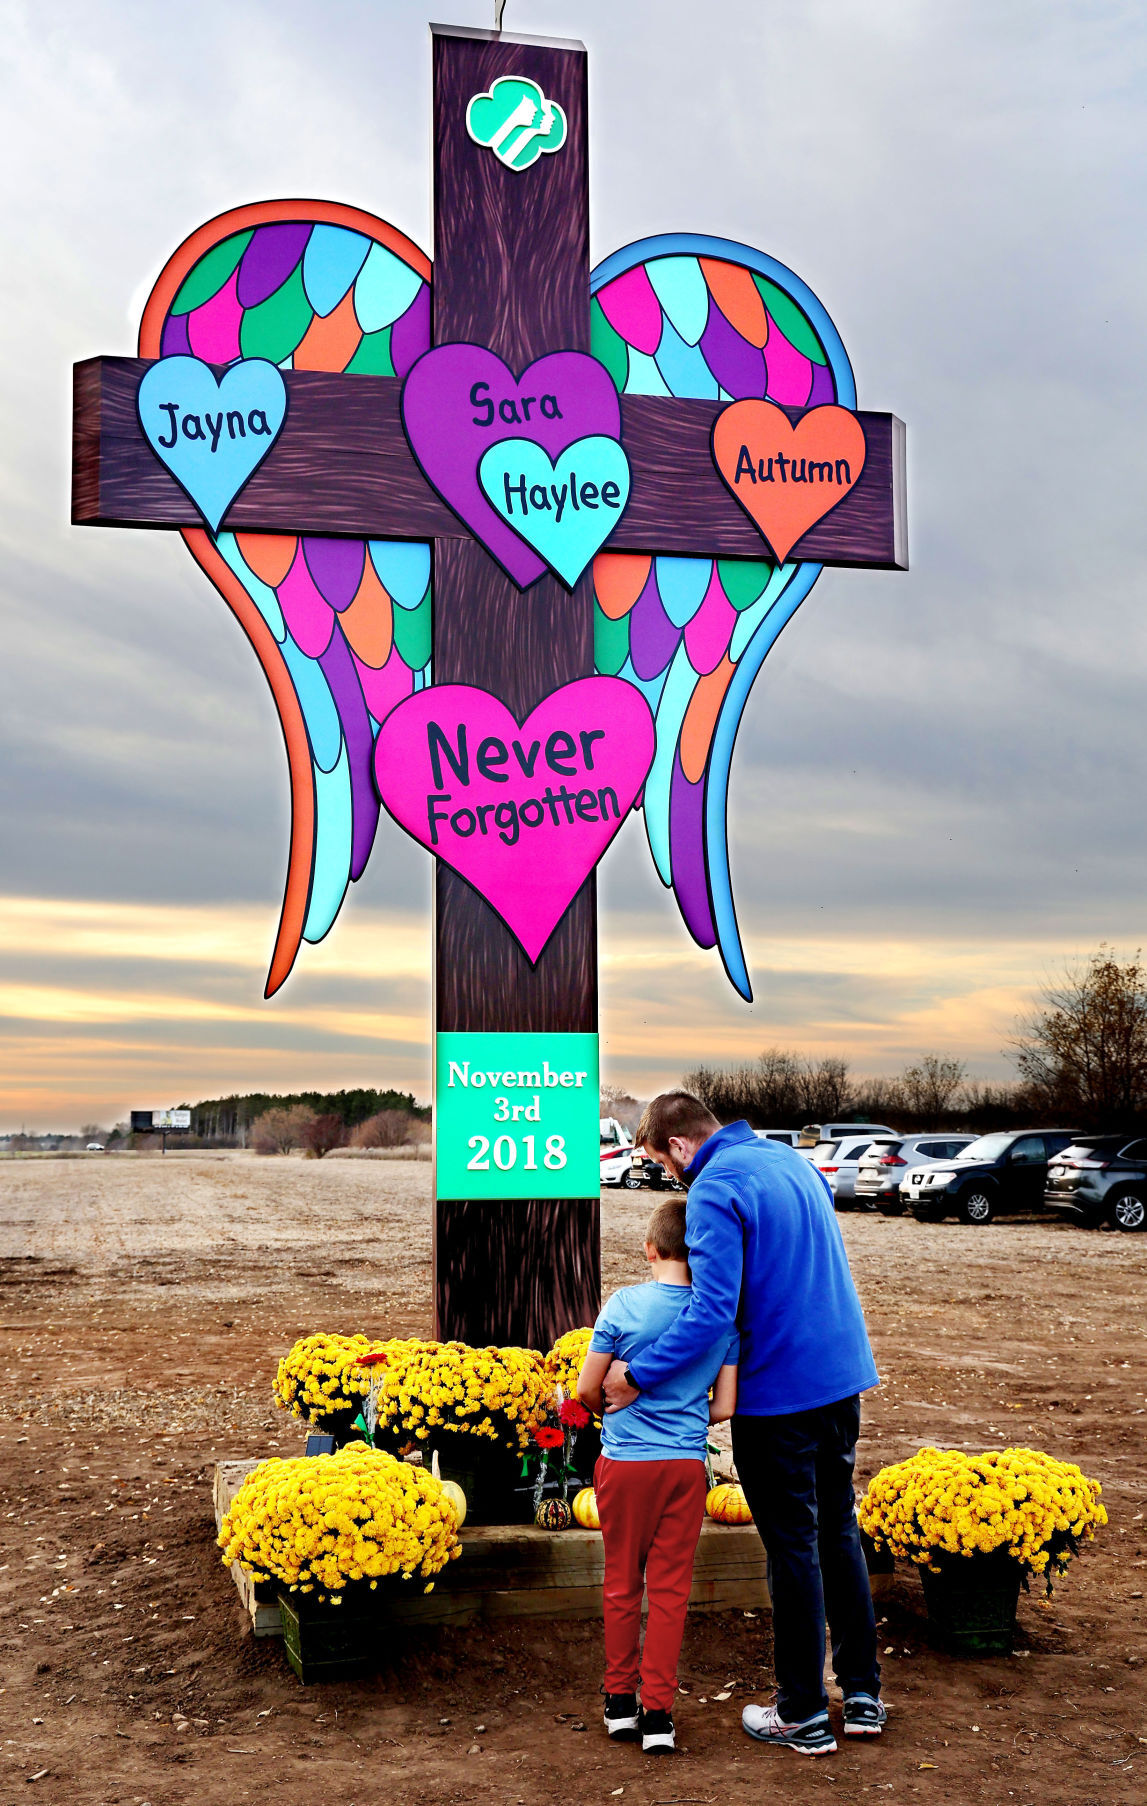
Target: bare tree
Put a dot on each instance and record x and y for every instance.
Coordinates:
(825, 1091)
(613, 1101)
(386, 1129)
(322, 1134)
(930, 1088)
(878, 1100)
(1085, 1051)
(281, 1131)
(778, 1089)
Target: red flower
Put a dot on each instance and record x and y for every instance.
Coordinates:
(573, 1413)
(373, 1360)
(547, 1436)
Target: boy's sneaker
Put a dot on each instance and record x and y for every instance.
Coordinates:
(657, 1734)
(812, 1738)
(864, 1716)
(622, 1717)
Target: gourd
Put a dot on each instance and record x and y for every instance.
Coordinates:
(553, 1514)
(585, 1509)
(727, 1504)
(451, 1492)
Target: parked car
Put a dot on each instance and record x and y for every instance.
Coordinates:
(789, 1136)
(1101, 1178)
(94, 1147)
(838, 1161)
(613, 1133)
(881, 1169)
(654, 1175)
(633, 1167)
(808, 1144)
(616, 1164)
(832, 1131)
(1005, 1171)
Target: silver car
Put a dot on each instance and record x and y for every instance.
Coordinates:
(886, 1167)
(839, 1160)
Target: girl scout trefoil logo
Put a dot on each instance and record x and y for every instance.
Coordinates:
(516, 121)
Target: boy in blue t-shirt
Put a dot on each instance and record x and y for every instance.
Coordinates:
(650, 1485)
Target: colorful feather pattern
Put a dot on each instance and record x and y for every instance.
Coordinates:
(341, 627)
(704, 318)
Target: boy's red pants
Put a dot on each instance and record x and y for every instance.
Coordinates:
(651, 1515)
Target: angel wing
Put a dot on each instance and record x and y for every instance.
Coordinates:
(341, 627)
(705, 318)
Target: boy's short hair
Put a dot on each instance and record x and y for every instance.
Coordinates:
(674, 1113)
(665, 1230)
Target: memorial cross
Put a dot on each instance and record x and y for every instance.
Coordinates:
(515, 1260)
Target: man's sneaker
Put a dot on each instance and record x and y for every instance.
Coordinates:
(657, 1734)
(864, 1716)
(622, 1717)
(812, 1738)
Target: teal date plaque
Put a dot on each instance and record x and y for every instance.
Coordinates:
(517, 1116)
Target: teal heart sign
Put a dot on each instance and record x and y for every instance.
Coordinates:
(566, 509)
(212, 432)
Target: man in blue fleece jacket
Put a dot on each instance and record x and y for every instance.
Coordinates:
(767, 1260)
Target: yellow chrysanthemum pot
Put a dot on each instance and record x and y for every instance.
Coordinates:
(975, 1525)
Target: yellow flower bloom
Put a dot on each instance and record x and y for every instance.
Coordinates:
(319, 1374)
(282, 1521)
(1019, 1500)
(449, 1385)
(563, 1363)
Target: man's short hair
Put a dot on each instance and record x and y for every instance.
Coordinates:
(674, 1113)
(665, 1229)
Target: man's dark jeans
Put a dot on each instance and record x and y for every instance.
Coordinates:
(797, 1476)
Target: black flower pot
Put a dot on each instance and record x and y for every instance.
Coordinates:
(326, 1642)
(489, 1474)
(586, 1449)
(972, 1602)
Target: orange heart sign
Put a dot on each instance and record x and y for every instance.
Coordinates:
(787, 477)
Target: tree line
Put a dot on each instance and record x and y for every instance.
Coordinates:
(1080, 1059)
(230, 1121)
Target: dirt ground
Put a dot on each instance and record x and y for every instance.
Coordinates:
(145, 1303)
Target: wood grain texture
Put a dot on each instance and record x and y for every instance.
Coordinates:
(518, 1272)
(511, 271)
(342, 465)
(678, 503)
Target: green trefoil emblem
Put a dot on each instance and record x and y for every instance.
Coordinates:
(516, 121)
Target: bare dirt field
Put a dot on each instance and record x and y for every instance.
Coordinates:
(145, 1303)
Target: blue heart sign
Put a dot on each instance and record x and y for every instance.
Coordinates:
(564, 510)
(212, 432)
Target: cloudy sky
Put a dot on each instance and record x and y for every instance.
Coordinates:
(939, 788)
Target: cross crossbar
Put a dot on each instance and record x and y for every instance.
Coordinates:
(342, 465)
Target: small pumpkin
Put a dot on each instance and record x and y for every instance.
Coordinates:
(553, 1514)
(727, 1504)
(585, 1509)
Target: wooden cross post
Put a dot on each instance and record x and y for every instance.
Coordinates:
(511, 271)
(511, 274)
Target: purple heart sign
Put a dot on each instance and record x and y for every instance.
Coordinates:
(459, 400)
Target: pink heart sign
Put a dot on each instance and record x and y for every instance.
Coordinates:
(523, 813)
(461, 399)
